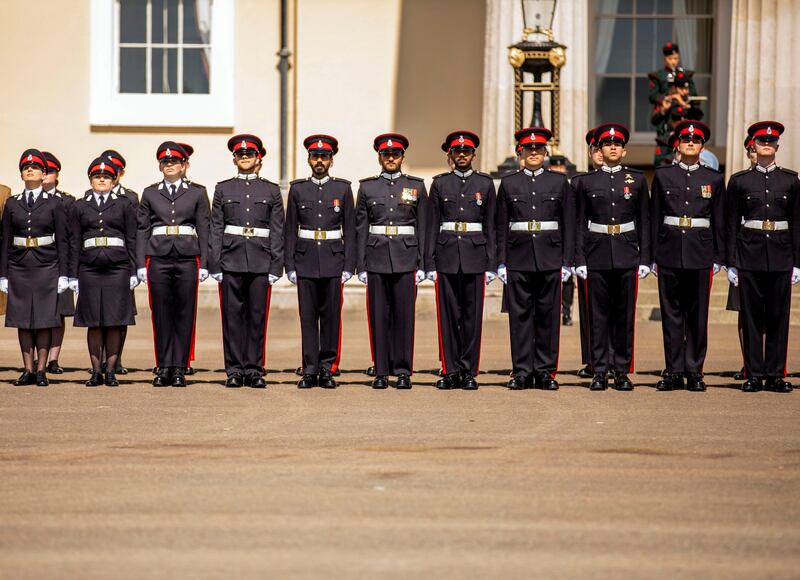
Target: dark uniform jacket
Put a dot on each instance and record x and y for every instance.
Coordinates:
(539, 195)
(612, 197)
(758, 194)
(47, 217)
(123, 191)
(320, 205)
(398, 201)
(255, 203)
(693, 191)
(116, 220)
(68, 200)
(467, 198)
(189, 207)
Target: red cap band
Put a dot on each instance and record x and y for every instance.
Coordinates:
(115, 161)
(245, 145)
(104, 167)
(171, 153)
(320, 144)
(768, 131)
(52, 165)
(611, 134)
(391, 144)
(462, 142)
(692, 130)
(533, 138)
(33, 159)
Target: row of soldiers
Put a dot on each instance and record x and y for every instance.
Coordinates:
(533, 234)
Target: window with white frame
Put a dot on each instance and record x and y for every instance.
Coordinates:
(169, 62)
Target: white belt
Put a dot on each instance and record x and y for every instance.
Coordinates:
(687, 222)
(103, 242)
(247, 232)
(319, 234)
(174, 231)
(764, 225)
(612, 229)
(532, 226)
(392, 230)
(34, 242)
(461, 227)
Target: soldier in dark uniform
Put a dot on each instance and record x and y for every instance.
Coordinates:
(34, 265)
(686, 216)
(184, 175)
(762, 217)
(171, 254)
(612, 251)
(246, 259)
(390, 231)
(671, 110)
(66, 300)
(103, 260)
(659, 80)
(460, 258)
(535, 237)
(320, 247)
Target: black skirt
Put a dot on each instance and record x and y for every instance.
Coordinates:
(104, 296)
(32, 295)
(733, 298)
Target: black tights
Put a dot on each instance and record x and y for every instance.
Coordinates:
(108, 338)
(35, 344)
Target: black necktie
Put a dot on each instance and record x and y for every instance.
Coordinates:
(102, 203)
(171, 190)
(30, 199)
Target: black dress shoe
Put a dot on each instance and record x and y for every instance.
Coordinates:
(546, 383)
(622, 382)
(585, 373)
(599, 382)
(371, 371)
(448, 382)
(468, 382)
(189, 371)
(336, 373)
(752, 385)
(695, 383)
(517, 383)
(178, 379)
(299, 371)
(26, 378)
(162, 380)
(234, 382)
(403, 382)
(121, 370)
(739, 376)
(326, 380)
(54, 368)
(258, 382)
(380, 382)
(95, 380)
(778, 385)
(307, 382)
(156, 370)
(111, 380)
(41, 379)
(566, 320)
(670, 382)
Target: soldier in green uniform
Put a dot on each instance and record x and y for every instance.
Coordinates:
(659, 80)
(673, 108)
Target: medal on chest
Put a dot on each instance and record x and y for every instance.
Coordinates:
(409, 195)
(705, 191)
(626, 192)
(478, 198)
(336, 206)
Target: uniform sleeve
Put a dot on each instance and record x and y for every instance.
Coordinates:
(422, 224)
(276, 221)
(580, 221)
(62, 238)
(568, 224)
(643, 223)
(142, 229)
(5, 242)
(489, 227)
(501, 225)
(129, 214)
(655, 209)
(432, 233)
(215, 234)
(718, 220)
(349, 229)
(794, 212)
(362, 230)
(76, 239)
(202, 212)
(654, 89)
(290, 231)
(731, 222)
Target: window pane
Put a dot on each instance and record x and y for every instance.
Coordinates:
(132, 78)
(195, 71)
(613, 101)
(693, 7)
(665, 6)
(703, 85)
(165, 70)
(651, 35)
(165, 21)
(644, 109)
(613, 45)
(695, 37)
(645, 6)
(132, 21)
(196, 22)
(615, 6)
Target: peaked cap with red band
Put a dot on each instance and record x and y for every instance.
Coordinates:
(114, 157)
(766, 130)
(461, 140)
(170, 150)
(321, 144)
(188, 148)
(694, 129)
(53, 164)
(748, 142)
(672, 141)
(390, 142)
(531, 136)
(611, 132)
(102, 165)
(245, 142)
(33, 156)
(589, 138)
(670, 48)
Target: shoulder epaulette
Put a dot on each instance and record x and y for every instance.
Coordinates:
(296, 181)
(342, 179)
(671, 165)
(632, 169)
(415, 178)
(442, 174)
(370, 178)
(484, 174)
(742, 172)
(17, 196)
(789, 171)
(264, 179)
(226, 180)
(711, 169)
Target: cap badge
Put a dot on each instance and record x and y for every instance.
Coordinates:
(769, 130)
(611, 131)
(389, 143)
(691, 128)
(169, 153)
(102, 167)
(30, 157)
(319, 144)
(461, 138)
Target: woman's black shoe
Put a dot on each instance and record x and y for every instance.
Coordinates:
(95, 380)
(26, 378)
(111, 380)
(403, 382)
(41, 379)
(54, 368)
(307, 382)
(234, 382)
(258, 383)
(380, 382)
(516, 384)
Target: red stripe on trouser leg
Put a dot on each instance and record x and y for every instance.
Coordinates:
(266, 322)
(369, 324)
(585, 282)
(413, 322)
(300, 315)
(633, 338)
(439, 325)
(194, 318)
(152, 316)
(480, 339)
(708, 309)
(558, 326)
(335, 365)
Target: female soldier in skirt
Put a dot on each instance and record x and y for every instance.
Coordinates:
(103, 259)
(34, 265)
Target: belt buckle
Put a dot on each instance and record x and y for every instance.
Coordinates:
(614, 229)
(101, 242)
(248, 231)
(173, 230)
(534, 226)
(320, 235)
(768, 226)
(391, 230)
(685, 222)
(461, 226)
(31, 242)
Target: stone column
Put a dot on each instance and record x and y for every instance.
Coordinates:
(765, 48)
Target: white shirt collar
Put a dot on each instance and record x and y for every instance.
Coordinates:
(36, 192)
(51, 191)
(464, 174)
(247, 176)
(614, 169)
(391, 176)
(769, 168)
(177, 184)
(322, 181)
(97, 195)
(535, 173)
(689, 168)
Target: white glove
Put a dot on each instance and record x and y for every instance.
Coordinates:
(141, 273)
(203, 274)
(643, 271)
(63, 284)
(362, 277)
(795, 276)
(420, 276)
(432, 276)
(654, 269)
(217, 277)
(346, 276)
(73, 285)
(717, 268)
(502, 273)
(733, 275)
(273, 278)
(292, 277)
(581, 272)
(490, 277)
(565, 273)
(134, 282)
(4, 285)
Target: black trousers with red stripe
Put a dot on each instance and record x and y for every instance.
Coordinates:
(459, 306)
(612, 318)
(583, 313)
(244, 300)
(766, 299)
(320, 303)
(534, 320)
(172, 282)
(684, 297)
(391, 309)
